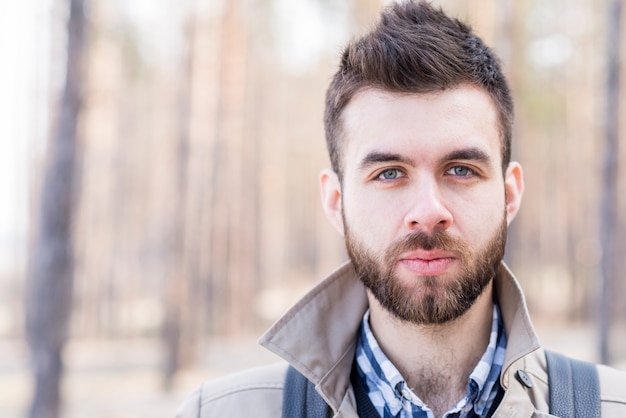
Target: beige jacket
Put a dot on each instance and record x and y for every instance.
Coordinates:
(318, 336)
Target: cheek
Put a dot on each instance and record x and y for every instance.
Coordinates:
(479, 215)
(371, 220)
(357, 214)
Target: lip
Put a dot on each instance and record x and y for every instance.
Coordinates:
(427, 263)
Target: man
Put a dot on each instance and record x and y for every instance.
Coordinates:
(425, 320)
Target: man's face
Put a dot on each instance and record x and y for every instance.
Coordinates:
(423, 205)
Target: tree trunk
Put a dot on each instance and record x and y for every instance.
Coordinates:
(608, 207)
(177, 341)
(49, 293)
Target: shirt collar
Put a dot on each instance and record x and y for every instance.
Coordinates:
(389, 391)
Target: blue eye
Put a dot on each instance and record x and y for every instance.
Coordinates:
(389, 174)
(460, 171)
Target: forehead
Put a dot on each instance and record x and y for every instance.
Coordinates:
(422, 124)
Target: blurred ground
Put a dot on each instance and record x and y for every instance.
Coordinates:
(122, 380)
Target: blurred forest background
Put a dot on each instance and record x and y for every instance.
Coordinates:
(158, 170)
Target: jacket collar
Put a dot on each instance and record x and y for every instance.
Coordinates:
(521, 336)
(317, 335)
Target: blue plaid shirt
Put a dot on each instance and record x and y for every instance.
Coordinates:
(392, 397)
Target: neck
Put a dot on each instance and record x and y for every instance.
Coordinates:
(435, 360)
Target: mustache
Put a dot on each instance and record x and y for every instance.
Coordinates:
(440, 240)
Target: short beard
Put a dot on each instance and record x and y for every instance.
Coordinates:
(429, 300)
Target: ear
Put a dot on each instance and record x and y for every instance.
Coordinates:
(514, 188)
(330, 188)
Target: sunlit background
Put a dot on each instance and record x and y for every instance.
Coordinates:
(196, 219)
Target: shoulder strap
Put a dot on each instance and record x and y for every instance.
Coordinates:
(300, 399)
(574, 387)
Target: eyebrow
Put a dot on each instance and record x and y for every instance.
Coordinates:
(374, 158)
(468, 154)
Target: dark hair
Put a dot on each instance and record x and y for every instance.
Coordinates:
(415, 48)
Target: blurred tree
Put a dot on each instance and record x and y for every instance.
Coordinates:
(230, 233)
(177, 297)
(49, 295)
(609, 195)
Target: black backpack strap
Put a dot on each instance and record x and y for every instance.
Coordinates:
(300, 399)
(574, 387)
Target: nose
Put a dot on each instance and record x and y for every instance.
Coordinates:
(428, 210)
